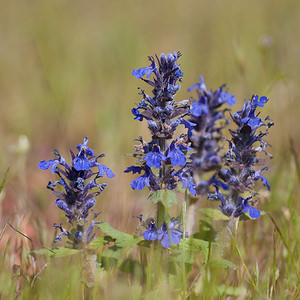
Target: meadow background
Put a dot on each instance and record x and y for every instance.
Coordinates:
(65, 73)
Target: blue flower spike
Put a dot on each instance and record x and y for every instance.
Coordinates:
(208, 116)
(77, 180)
(163, 115)
(240, 173)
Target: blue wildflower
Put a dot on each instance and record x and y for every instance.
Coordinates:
(208, 115)
(134, 169)
(259, 101)
(139, 73)
(102, 169)
(152, 233)
(161, 108)
(169, 234)
(257, 175)
(163, 115)
(154, 158)
(175, 155)
(81, 162)
(189, 125)
(200, 107)
(239, 174)
(253, 212)
(77, 181)
(63, 232)
(185, 176)
(84, 148)
(200, 86)
(234, 208)
(137, 114)
(147, 179)
(53, 163)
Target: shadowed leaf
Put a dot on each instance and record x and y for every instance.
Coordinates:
(122, 239)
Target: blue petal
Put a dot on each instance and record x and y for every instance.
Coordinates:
(176, 236)
(264, 180)
(133, 169)
(176, 156)
(44, 165)
(137, 114)
(81, 163)
(263, 100)
(139, 183)
(139, 73)
(165, 242)
(150, 235)
(190, 185)
(194, 86)
(154, 158)
(252, 121)
(109, 173)
(199, 108)
(192, 189)
(104, 170)
(228, 98)
(189, 125)
(178, 73)
(200, 86)
(253, 212)
(259, 102)
(84, 146)
(217, 182)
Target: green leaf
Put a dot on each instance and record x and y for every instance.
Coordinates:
(122, 239)
(214, 214)
(192, 244)
(97, 243)
(56, 252)
(112, 252)
(168, 198)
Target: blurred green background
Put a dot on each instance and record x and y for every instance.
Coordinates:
(65, 73)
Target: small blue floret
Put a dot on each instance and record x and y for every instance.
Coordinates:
(154, 158)
(176, 156)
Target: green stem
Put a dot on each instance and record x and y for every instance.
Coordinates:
(184, 279)
(161, 213)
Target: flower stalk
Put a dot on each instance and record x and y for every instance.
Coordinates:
(243, 162)
(164, 160)
(76, 199)
(208, 115)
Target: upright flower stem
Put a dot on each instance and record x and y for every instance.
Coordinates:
(192, 212)
(76, 198)
(208, 117)
(90, 270)
(166, 154)
(240, 171)
(160, 208)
